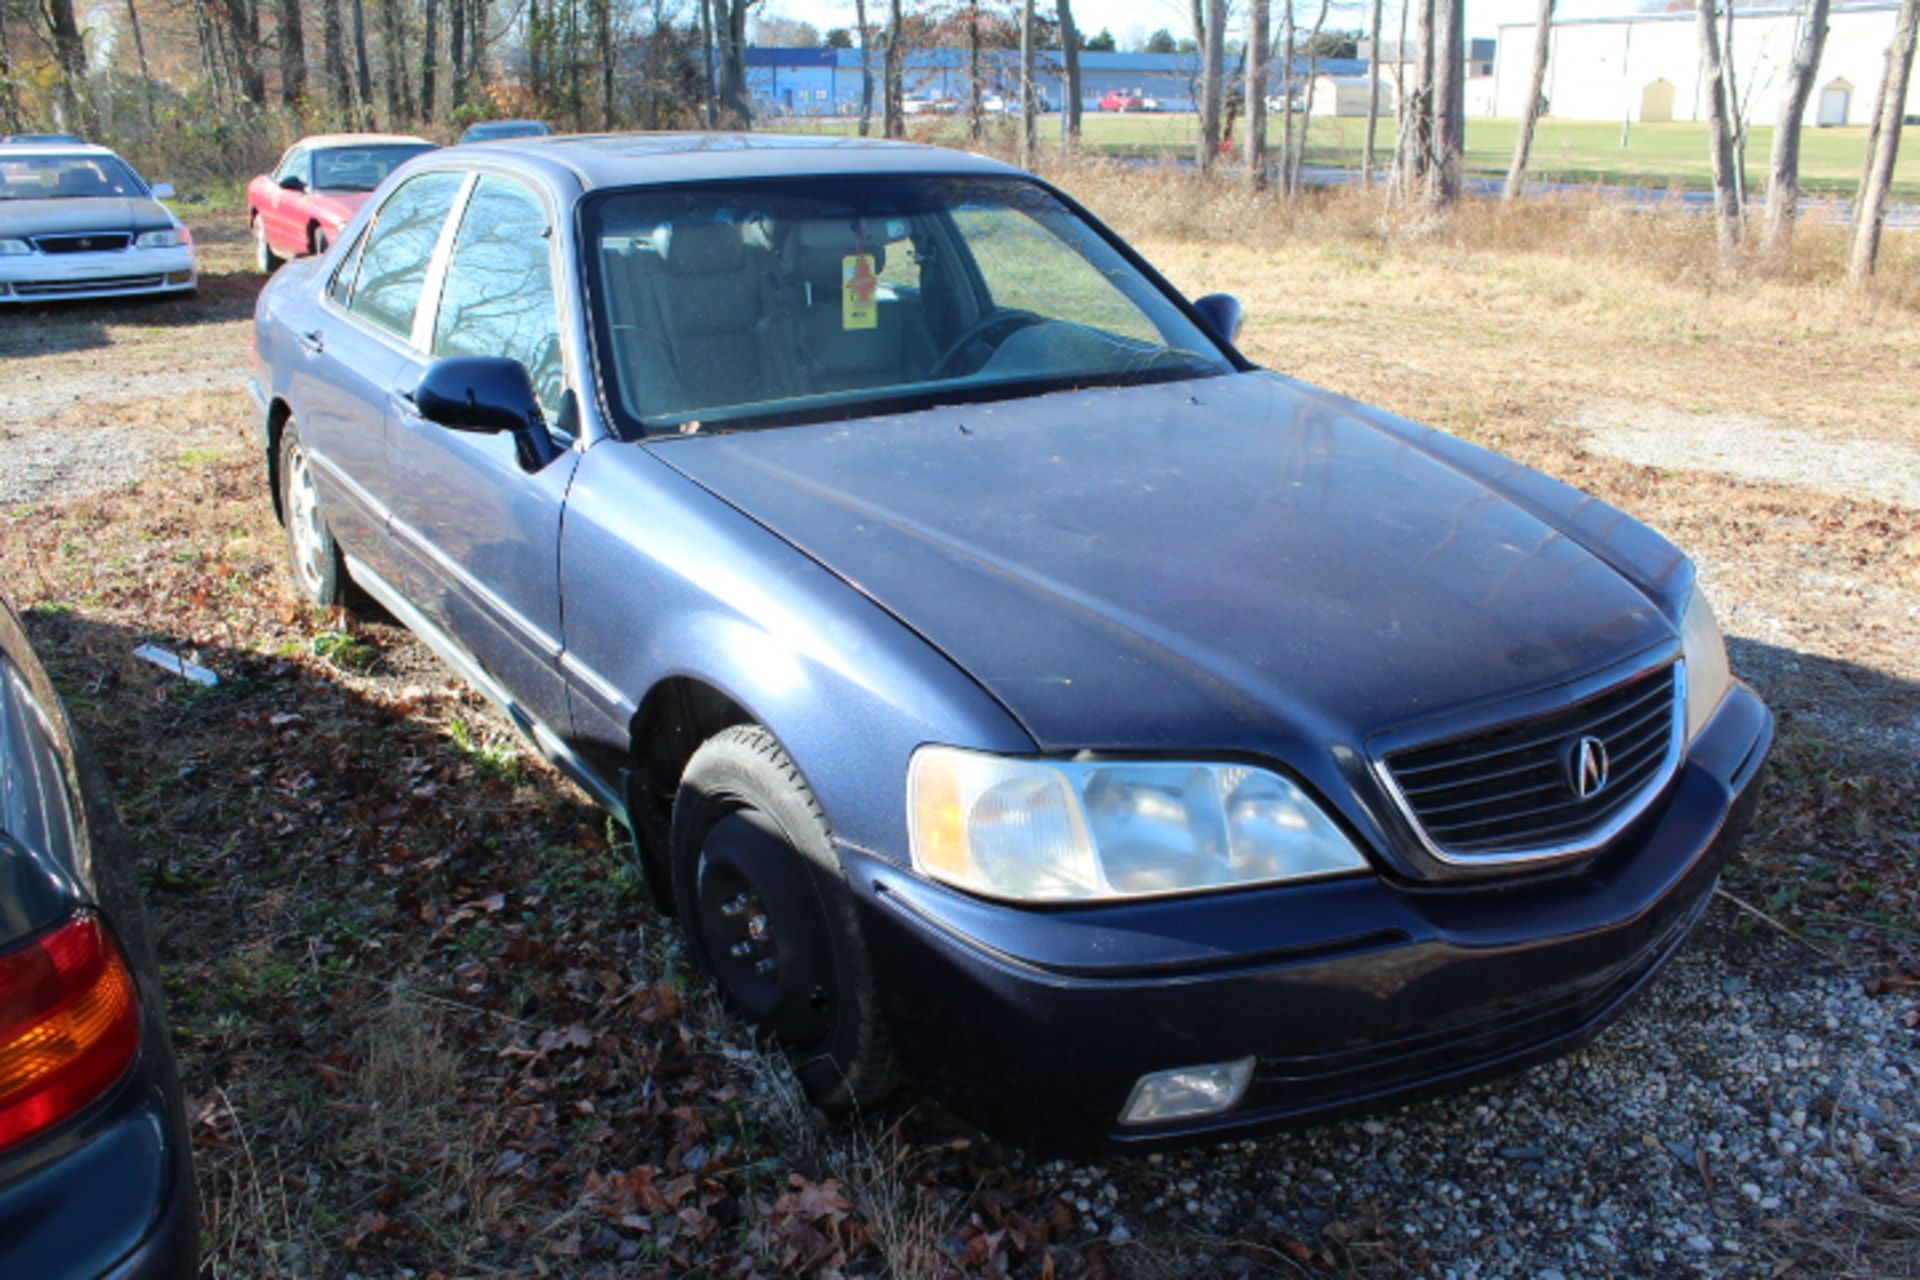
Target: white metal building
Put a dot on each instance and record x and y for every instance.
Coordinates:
(1347, 95)
(1646, 66)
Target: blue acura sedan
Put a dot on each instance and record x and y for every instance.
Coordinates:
(1008, 683)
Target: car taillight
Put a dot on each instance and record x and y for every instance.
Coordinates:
(69, 1025)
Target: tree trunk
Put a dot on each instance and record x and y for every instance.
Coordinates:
(1253, 143)
(1736, 115)
(708, 108)
(9, 97)
(976, 91)
(1373, 98)
(362, 68)
(1029, 91)
(1783, 184)
(293, 52)
(1726, 202)
(70, 60)
(1306, 107)
(1070, 54)
(730, 44)
(1449, 103)
(333, 59)
(456, 53)
(1870, 210)
(1289, 45)
(1536, 86)
(146, 71)
(391, 62)
(429, 58)
(892, 120)
(1415, 144)
(242, 23)
(1213, 86)
(866, 67)
(603, 15)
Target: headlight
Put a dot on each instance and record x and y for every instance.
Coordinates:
(1708, 676)
(8, 248)
(1064, 831)
(169, 238)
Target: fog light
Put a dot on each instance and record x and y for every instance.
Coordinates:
(1185, 1092)
(179, 277)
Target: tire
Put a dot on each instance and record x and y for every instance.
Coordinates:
(767, 912)
(314, 561)
(317, 240)
(265, 260)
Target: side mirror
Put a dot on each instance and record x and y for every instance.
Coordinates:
(163, 191)
(488, 395)
(1223, 315)
(293, 182)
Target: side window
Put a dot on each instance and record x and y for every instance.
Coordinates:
(298, 164)
(340, 288)
(1028, 268)
(395, 251)
(498, 299)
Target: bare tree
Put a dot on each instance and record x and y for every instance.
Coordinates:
(1413, 149)
(9, 97)
(293, 51)
(70, 60)
(892, 118)
(1070, 54)
(866, 67)
(730, 49)
(1449, 103)
(1783, 183)
(1253, 143)
(1870, 209)
(976, 75)
(363, 71)
(1029, 91)
(1373, 96)
(1213, 56)
(146, 71)
(241, 22)
(1726, 200)
(429, 58)
(1536, 101)
(333, 56)
(1306, 107)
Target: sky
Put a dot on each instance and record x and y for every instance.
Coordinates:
(1130, 18)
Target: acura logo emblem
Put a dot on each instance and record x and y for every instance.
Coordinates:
(1587, 767)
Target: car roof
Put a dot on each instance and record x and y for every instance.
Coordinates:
(655, 159)
(87, 149)
(362, 140)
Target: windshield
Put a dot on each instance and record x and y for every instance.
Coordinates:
(55, 177)
(750, 304)
(360, 168)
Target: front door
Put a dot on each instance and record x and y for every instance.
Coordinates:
(479, 533)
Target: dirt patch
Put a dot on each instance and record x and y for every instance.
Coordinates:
(1752, 448)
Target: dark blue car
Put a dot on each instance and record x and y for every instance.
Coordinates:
(1007, 681)
(96, 1174)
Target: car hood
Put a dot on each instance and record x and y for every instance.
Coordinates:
(1233, 563)
(81, 214)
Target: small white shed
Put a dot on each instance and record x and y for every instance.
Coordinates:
(1347, 95)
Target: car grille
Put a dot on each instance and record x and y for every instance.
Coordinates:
(1509, 790)
(54, 288)
(87, 242)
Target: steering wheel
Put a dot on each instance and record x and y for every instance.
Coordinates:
(975, 332)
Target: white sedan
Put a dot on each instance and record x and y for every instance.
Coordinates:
(78, 222)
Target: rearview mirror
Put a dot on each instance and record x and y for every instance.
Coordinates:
(163, 191)
(1223, 315)
(293, 182)
(488, 395)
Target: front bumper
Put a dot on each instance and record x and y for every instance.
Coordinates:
(1350, 994)
(47, 277)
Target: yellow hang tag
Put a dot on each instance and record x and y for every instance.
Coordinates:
(858, 287)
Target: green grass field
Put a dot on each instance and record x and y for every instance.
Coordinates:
(1655, 155)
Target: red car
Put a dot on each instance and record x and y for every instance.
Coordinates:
(317, 188)
(1120, 100)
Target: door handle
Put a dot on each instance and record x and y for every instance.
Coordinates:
(313, 341)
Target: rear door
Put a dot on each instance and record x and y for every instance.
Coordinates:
(480, 534)
(360, 346)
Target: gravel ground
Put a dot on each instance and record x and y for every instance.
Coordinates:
(1647, 1153)
(1752, 449)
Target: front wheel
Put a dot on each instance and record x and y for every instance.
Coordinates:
(313, 558)
(265, 260)
(768, 913)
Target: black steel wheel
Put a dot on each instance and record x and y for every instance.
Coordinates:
(767, 912)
